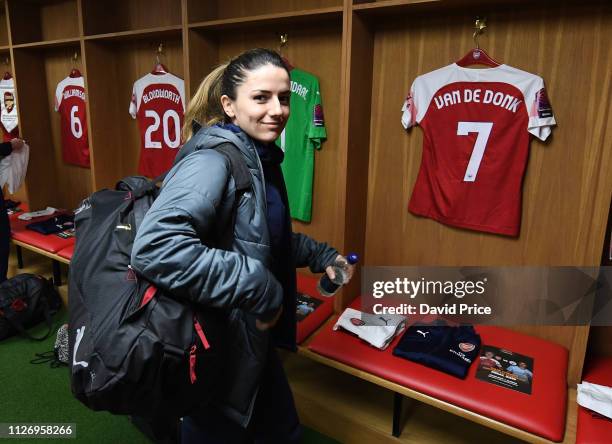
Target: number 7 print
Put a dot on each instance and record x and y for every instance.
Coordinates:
(484, 131)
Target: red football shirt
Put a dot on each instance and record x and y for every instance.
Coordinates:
(70, 103)
(477, 126)
(158, 102)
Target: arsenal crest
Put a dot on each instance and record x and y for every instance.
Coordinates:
(466, 347)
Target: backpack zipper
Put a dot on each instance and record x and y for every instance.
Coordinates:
(194, 348)
(192, 364)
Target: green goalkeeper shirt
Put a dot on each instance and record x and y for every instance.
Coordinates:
(304, 132)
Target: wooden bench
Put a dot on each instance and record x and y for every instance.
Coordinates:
(540, 417)
(50, 246)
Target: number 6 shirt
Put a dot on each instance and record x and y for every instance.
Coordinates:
(70, 103)
(158, 102)
(477, 126)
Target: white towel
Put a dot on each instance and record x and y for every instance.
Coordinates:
(46, 212)
(13, 168)
(595, 397)
(374, 329)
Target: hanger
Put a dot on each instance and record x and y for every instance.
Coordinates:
(478, 56)
(74, 72)
(7, 75)
(159, 68)
(284, 38)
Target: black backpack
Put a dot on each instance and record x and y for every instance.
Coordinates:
(26, 300)
(133, 349)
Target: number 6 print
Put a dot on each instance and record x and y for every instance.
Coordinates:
(484, 131)
(75, 123)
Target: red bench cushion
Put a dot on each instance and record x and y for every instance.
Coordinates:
(308, 285)
(50, 243)
(67, 252)
(593, 430)
(541, 413)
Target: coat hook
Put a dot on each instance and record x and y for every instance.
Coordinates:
(479, 27)
(160, 51)
(284, 38)
(75, 56)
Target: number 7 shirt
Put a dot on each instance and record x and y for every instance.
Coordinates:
(477, 126)
(158, 103)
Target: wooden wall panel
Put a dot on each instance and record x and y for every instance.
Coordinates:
(36, 21)
(59, 19)
(203, 57)
(567, 181)
(600, 341)
(114, 66)
(36, 129)
(4, 40)
(120, 15)
(72, 183)
(222, 9)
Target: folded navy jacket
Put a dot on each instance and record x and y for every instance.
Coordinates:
(53, 225)
(448, 349)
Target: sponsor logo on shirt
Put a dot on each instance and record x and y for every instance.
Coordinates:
(544, 107)
(357, 322)
(317, 118)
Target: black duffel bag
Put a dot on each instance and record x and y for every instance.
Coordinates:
(26, 300)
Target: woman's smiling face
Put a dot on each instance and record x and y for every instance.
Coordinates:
(261, 108)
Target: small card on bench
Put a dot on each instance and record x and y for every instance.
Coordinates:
(505, 368)
(305, 305)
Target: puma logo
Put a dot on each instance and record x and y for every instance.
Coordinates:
(79, 336)
(424, 333)
(386, 321)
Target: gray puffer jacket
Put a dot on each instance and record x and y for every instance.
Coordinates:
(177, 248)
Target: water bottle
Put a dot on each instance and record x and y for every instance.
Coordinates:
(328, 287)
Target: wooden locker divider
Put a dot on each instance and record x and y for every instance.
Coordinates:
(113, 65)
(37, 21)
(114, 16)
(316, 52)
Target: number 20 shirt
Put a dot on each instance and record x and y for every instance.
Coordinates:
(70, 103)
(158, 103)
(477, 126)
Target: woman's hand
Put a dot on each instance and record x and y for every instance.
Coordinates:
(263, 326)
(350, 269)
(17, 144)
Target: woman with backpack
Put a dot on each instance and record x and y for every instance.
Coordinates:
(228, 244)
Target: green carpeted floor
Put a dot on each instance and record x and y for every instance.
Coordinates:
(39, 394)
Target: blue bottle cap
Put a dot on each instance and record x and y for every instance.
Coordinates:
(352, 258)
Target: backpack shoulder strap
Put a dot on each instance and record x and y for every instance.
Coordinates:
(239, 169)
